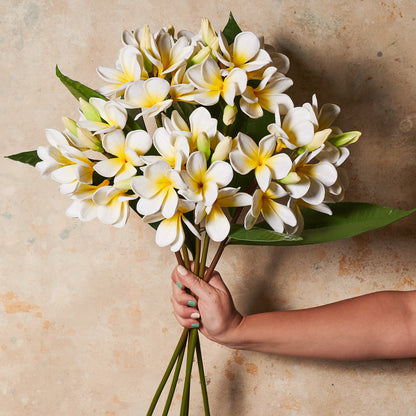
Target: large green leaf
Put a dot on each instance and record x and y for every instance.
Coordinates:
(79, 90)
(258, 236)
(348, 219)
(231, 29)
(31, 157)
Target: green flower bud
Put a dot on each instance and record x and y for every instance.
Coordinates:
(291, 178)
(88, 140)
(344, 139)
(89, 111)
(203, 144)
(230, 112)
(209, 36)
(123, 185)
(319, 139)
(71, 125)
(200, 56)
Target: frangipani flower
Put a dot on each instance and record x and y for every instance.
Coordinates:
(261, 158)
(307, 181)
(170, 230)
(167, 55)
(210, 85)
(63, 163)
(157, 189)
(296, 130)
(216, 222)
(149, 95)
(323, 118)
(83, 206)
(172, 148)
(203, 184)
(208, 35)
(129, 68)
(128, 151)
(108, 115)
(200, 121)
(267, 95)
(275, 214)
(113, 205)
(245, 53)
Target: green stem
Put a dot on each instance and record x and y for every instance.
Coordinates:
(179, 346)
(158, 119)
(202, 377)
(189, 360)
(185, 257)
(174, 381)
(197, 253)
(178, 108)
(204, 256)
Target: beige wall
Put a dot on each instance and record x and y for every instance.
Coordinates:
(85, 318)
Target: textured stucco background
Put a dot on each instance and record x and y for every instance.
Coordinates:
(85, 319)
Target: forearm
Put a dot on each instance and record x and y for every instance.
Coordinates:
(378, 325)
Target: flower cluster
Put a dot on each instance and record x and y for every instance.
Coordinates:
(201, 89)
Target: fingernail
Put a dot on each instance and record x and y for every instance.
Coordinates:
(182, 271)
(195, 325)
(179, 285)
(195, 315)
(191, 303)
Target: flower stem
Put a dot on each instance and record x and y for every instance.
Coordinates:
(179, 346)
(197, 254)
(202, 377)
(185, 257)
(189, 360)
(204, 256)
(174, 381)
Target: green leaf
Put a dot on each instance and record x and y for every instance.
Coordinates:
(31, 157)
(347, 220)
(256, 128)
(258, 236)
(231, 30)
(79, 90)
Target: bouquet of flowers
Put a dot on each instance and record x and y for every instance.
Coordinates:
(232, 160)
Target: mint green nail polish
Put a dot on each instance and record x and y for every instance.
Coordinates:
(195, 325)
(179, 285)
(191, 303)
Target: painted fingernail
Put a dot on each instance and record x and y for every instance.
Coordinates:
(182, 270)
(195, 325)
(195, 315)
(191, 303)
(179, 285)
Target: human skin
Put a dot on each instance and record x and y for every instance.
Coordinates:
(373, 326)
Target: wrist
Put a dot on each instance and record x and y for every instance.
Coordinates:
(233, 337)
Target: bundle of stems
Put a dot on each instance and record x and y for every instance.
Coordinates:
(189, 339)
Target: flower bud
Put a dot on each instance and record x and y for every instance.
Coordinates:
(123, 185)
(319, 139)
(200, 57)
(88, 140)
(171, 30)
(344, 139)
(291, 178)
(203, 144)
(71, 125)
(89, 111)
(145, 36)
(223, 149)
(209, 36)
(230, 112)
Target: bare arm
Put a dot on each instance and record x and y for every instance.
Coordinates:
(377, 325)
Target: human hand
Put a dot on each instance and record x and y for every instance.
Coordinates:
(211, 309)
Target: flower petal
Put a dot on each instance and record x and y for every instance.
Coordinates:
(216, 224)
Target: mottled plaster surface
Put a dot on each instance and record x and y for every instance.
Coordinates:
(85, 318)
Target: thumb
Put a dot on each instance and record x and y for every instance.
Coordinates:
(216, 281)
(191, 281)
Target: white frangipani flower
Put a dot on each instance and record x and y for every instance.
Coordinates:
(266, 164)
(210, 85)
(149, 95)
(296, 130)
(129, 68)
(170, 230)
(245, 53)
(275, 214)
(167, 55)
(200, 121)
(63, 163)
(203, 184)
(128, 151)
(157, 189)
(113, 205)
(307, 181)
(323, 118)
(268, 95)
(216, 222)
(108, 116)
(172, 148)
